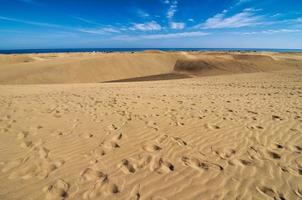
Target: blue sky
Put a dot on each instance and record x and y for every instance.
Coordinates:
(26, 24)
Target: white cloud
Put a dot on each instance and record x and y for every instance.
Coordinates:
(142, 13)
(30, 22)
(85, 20)
(242, 2)
(273, 31)
(277, 15)
(149, 26)
(245, 18)
(177, 25)
(170, 15)
(175, 35)
(172, 10)
(111, 30)
(161, 36)
(101, 31)
(191, 20)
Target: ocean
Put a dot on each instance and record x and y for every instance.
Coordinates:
(73, 50)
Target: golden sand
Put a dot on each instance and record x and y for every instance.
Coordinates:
(229, 127)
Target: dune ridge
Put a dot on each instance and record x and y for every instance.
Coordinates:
(101, 67)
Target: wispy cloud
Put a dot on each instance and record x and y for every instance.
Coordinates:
(30, 22)
(171, 13)
(177, 25)
(148, 26)
(176, 35)
(172, 9)
(142, 14)
(239, 2)
(161, 36)
(101, 31)
(247, 17)
(273, 31)
(86, 20)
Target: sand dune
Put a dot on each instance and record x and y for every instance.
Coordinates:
(87, 68)
(233, 136)
(214, 64)
(101, 67)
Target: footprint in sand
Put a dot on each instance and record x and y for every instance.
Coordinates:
(96, 153)
(42, 152)
(143, 161)
(86, 135)
(59, 133)
(266, 191)
(92, 175)
(161, 165)
(152, 125)
(154, 163)
(117, 136)
(242, 162)
(106, 146)
(246, 162)
(151, 148)
(224, 155)
(99, 184)
(194, 163)
(26, 144)
(127, 167)
(57, 191)
(22, 135)
(212, 126)
(109, 145)
(278, 146)
(276, 118)
(228, 153)
(179, 141)
(274, 155)
(111, 188)
(112, 142)
(255, 127)
(135, 193)
(112, 127)
(298, 148)
(161, 139)
(37, 164)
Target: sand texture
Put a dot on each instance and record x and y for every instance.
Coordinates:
(205, 126)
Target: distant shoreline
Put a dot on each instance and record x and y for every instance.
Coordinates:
(109, 50)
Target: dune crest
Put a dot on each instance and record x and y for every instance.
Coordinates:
(102, 67)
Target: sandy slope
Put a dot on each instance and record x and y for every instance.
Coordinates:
(101, 67)
(83, 68)
(213, 137)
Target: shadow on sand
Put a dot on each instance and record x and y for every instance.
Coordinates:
(160, 77)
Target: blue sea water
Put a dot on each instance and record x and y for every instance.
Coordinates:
(23, 51)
